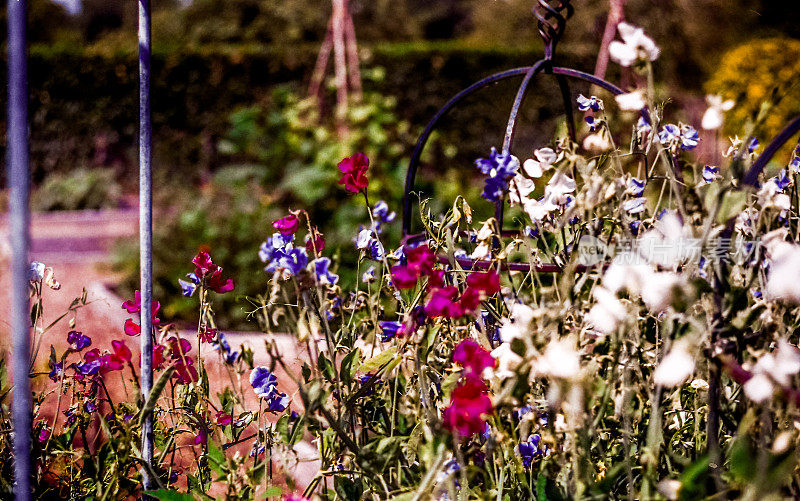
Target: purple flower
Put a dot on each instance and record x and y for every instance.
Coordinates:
(643, 125)
(689, 137)
(634, 226)
(522, 411)
(258, 449)
(78, 340)
(222, 346)
(782, 180)
(264, 382)
(389, 329)
(499, 168)
(276, 243)
(636, 186)
(592, 123)
(188, 288)
(278, 402)
(382, 215)
(794, 166)
(710, 173)
(44, 434)
(90, 406)
(529, 449)
(324, 276)
(589, 103)
(754, 145)
(56, 371)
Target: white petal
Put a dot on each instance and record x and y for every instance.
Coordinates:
(631, 101)
(675, 368)
(533, 168)
(758, 388)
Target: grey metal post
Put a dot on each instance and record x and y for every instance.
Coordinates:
(145, 232)
(19, 182)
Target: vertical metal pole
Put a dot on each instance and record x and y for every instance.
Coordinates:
(145, 232)
(19, 182)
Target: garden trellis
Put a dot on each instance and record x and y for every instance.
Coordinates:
(551, 16)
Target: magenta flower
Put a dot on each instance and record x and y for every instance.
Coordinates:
(479, 287)
(132, 328)
(469, 403)
(404, 277)
(472, 357)
(442, 303)
(355, 172)
(223, 418)
(422, 258)
(211, 274)
(287, 225)
(117, 359)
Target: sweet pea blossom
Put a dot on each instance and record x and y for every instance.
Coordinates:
(210, 274)
(675, 367)
(130, 327)
(772, 371)
(322, 273)
(678, 136)
(354, 169)
(382, 216)
(265, 385)
(77, 340)
(499, 168)
(713, 117)
(530, 449)
(543, 160)
(472, 357)
(282, 256)
(635, 46)
(469, 404)
(389, 329)
(631, 101)
(710, 174)
(287, 225)
(589, 103)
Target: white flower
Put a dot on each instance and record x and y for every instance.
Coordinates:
(658, 290)
(606, 315)
(364, 238)
(559, 187)
(759, 388)
(519, 189)
(713, 118)
(631, 101)
(36, 271)
(675, 367)
(507, 361)
(669, 243)
(369, 275)
(518, 325)
(782, 282)
(545, 158)
(635, 46)
(560, 360)
(596, 142)
(770, 196)
(634, 205)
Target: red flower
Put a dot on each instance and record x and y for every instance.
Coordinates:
(158, 356)
(420, 262)
(471, 356)
(207, 335)
(116, 360)
(479, 287)
(223, 418)
(442, 303)
(131, 328)
(287, 225)
(355, 172)
(211, 273)
(184, 371)
(469, 403)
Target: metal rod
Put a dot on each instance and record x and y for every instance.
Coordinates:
(145, 233)
(19, 182)
(785, 135)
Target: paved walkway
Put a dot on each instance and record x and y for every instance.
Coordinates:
(77, 245)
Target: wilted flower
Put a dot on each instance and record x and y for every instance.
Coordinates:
(369, 275)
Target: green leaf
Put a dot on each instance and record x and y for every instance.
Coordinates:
(377, 361)
(166, 495)
(217, 459)
(732, 204)
(325, 367)
(348, 368)
(271, 492)
(155, 392)
(282, 428)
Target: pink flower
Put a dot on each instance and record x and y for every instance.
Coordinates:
(132, 328)
(223, 418)
(442, 303)
(472, 357)
(211, 274)
(116, 360)
(469, 403)
(421, 258)
(355, 172)
(200, 438)
(404, 277)
(479, 287)
(287, 225)
(158, 356)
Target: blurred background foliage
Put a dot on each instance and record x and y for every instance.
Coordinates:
(236, 143)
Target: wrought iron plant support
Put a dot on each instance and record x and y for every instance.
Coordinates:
(552, 17)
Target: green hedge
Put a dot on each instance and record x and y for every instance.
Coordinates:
(84, 103)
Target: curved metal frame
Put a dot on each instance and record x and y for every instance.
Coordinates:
(551, 24)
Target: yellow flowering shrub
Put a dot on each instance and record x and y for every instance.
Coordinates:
(758, 72)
